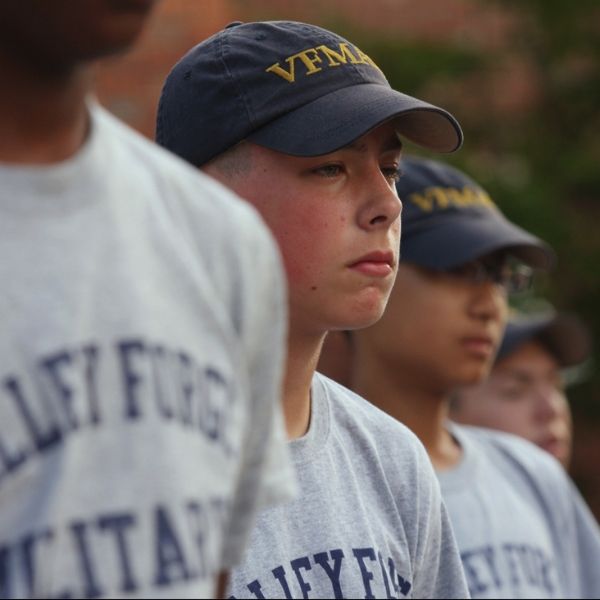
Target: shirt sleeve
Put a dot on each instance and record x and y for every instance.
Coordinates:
(266, 476)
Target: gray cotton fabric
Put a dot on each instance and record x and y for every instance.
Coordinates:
(522, 527)
(143, 329)
(369, 521)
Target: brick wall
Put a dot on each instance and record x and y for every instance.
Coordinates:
(130, 86)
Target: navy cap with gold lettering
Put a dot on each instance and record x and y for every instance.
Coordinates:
(448, 220)
(292, 87)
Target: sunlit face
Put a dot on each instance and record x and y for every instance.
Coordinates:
(336, 218)
(524, 395)
(439, 331)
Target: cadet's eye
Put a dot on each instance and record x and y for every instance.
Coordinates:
(329, 170)
(513, 392)
(391, 174)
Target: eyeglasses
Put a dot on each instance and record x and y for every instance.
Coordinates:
(505, 271)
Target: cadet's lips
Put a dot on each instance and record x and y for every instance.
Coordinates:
(479, 345)
(375, 264)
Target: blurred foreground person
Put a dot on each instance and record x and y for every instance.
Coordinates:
(525, 393)
(140, 357)
(522, 528)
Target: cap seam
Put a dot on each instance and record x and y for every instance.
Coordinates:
(239, 93)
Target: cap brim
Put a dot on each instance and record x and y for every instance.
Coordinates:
(451, 242)
(341, 117)
(564, 335)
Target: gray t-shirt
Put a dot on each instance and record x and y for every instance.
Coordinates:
(143, 333)
(369, 521)
(522, 527)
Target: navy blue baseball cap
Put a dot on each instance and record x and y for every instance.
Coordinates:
(448, 220)
(291, 87)
(564, 335)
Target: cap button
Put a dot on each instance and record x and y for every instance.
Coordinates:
(234, 24)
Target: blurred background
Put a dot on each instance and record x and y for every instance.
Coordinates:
(523, 78)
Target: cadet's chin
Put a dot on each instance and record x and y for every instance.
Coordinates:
(365, 320)
(368, 308)
(473, 373)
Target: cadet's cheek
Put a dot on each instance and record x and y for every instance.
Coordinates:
(307, 245)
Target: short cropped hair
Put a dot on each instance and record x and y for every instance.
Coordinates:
(233, 163)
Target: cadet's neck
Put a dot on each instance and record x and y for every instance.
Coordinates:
(416, 403)
(43, 117)
(303, 355)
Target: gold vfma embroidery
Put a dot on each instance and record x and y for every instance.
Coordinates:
(439, 197)
(312, 57)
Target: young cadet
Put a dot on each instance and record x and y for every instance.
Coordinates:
(522, 528)
(143, 323)
(305, 126)
(525, 391)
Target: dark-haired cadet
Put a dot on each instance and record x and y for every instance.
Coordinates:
(522, 528)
